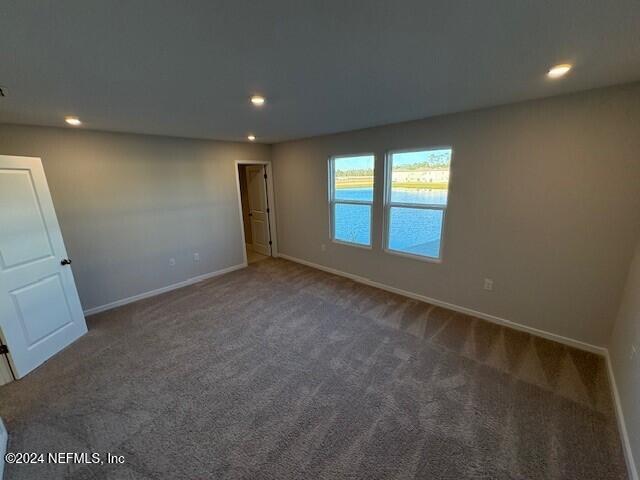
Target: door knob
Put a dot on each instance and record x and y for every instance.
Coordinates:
(65, 261)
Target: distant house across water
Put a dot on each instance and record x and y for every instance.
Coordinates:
(436, 175)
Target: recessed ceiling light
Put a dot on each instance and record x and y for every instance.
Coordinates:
(251, 138)
(559, 70)
(258, 100)
(75, 121)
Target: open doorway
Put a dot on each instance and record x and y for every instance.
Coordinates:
(255, 202)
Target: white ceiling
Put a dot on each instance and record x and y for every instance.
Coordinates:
(187, 68)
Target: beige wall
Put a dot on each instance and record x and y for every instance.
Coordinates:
(544, 199)
(625, 363)
(128, 203)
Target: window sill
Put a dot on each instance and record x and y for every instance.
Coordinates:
(350, 244)
(421, 258)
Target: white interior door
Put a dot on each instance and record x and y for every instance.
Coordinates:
(258, 209)
(40, 312)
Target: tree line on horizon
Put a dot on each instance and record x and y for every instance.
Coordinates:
(368, 172)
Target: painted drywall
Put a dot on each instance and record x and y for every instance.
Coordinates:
(544, 199)
(625, 362)
(128, 203)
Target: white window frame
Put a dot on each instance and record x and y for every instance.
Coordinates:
(333, 200)
(388, 162)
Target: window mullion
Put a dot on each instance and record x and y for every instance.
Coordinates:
(353, 202)
(427, 206)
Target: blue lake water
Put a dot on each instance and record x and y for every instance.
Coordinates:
(407, 195)
(411, 230)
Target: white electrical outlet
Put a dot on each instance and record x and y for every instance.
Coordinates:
(323, 247)
(488, 284)
(172, 262)
(196, 257)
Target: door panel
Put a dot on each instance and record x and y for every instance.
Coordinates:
(38, 316)
(260, 237)
(257, 191)
(24, 235)
(40, 312)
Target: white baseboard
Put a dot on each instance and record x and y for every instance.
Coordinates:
(4, 440)
(158, 291)
(468, 311)
(622, 426)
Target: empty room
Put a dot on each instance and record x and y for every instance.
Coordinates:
(320, 239)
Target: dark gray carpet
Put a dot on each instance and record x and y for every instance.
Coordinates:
(282, 371)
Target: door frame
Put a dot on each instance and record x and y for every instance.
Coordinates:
(270, 199)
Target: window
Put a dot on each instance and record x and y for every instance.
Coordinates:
(416, 188)
(351, 198)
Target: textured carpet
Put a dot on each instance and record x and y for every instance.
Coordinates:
(282, 371)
